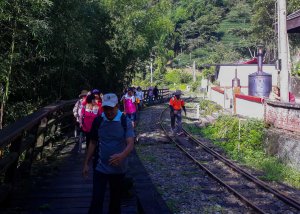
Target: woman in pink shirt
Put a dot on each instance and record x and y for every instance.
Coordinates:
(88, 113)
(130, 106)
(98, 99)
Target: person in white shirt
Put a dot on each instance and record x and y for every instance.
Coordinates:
(140, 97)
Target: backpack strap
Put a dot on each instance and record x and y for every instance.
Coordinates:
(99, 122)
(124, 123)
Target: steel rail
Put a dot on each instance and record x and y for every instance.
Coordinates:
(278, 194)
(241, 197)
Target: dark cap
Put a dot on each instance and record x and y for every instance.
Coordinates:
(178, 92)
(95, 91)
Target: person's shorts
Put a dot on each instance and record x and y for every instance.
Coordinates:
(132, 116)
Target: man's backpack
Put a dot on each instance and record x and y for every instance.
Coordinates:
(123, 122)
(99, 122)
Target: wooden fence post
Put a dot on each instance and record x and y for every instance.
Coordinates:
(11, 170)
(41, 137)
(29, 156)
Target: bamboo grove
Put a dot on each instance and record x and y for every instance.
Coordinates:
(52, 49)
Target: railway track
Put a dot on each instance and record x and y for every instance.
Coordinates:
(252, 191)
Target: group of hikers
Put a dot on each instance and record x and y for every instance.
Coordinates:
(109, 136)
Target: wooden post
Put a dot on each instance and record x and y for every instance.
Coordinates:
(236, 90)
(194, 71)
(41, 136)
(10, 173)
(29, 156)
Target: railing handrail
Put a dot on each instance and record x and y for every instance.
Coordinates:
(17, 128)
(23, 142)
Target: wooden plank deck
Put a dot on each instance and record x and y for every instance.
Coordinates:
(66, 192)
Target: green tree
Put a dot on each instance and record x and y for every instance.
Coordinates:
(23, 25)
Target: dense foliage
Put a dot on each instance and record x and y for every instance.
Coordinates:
(52, 49)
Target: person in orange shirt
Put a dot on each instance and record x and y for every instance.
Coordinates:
(176, 104)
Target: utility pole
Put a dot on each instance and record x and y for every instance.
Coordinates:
(151, 72)
(278, 33)
(194, 71)
(283, 47)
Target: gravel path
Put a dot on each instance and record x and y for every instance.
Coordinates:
(184, 187)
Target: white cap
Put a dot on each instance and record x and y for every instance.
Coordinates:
(110, 100)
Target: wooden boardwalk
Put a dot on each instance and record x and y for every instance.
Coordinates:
(67, 192)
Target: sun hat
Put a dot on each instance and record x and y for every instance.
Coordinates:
(110, 100)
(83, 93)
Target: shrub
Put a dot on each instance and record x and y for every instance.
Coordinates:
(173, 76)
(209, 107)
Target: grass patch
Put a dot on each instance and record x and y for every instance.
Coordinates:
(245, 144)
(208, 107)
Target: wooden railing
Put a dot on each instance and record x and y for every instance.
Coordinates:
(24, 141)
(163, 95)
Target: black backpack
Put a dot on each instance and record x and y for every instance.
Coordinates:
(123, 122)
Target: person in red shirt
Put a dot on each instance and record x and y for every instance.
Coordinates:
(176, 104)
(88, 113)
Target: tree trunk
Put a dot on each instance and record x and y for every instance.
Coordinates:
(8, 76)
(1, 114)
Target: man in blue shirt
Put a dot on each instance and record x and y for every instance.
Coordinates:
(114, 144)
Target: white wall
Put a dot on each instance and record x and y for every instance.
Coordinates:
(217, 97)
(249, 109)
(227, 73)
(244, 90)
